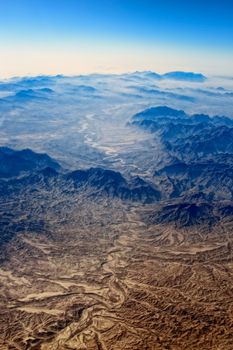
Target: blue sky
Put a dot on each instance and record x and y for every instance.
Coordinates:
(79, 36)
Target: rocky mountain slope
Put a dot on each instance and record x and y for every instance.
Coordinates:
(200, 166)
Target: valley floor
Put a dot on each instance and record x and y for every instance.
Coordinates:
(121, 284)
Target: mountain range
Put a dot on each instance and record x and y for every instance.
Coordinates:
(200, 168)
(177, 75)
(118, 234)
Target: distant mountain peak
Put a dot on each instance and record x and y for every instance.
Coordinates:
(160, 111)
(176, 75)
(185, 76)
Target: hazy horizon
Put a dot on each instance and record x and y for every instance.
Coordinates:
(90, 73)
(83, 37)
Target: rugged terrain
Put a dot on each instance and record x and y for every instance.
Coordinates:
(123, 238)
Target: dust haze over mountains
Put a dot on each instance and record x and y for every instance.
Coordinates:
(116, 212)
(75, 119)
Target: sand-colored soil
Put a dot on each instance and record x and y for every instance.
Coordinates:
(121, 285)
